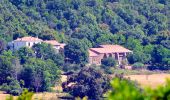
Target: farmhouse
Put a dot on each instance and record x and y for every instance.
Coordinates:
(24, 42)
(59, 47)
(117, 52)
(31, 41)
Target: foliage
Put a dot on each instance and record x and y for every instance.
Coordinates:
(76, 51)
(2, 46)
(5, 66)
(125, 90)
(135, 24)
(46, 51)
(26, 95)
(13, 87)
(39, 74)
(88, 82)
(109, 62)
(138, 65)
(67, 67)
(24, 54)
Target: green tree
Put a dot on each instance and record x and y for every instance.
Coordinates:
(88, 82)
(40, 74)
(24, 54)
(124, 90)
(76, 51)
(5, 66)
(46, 51)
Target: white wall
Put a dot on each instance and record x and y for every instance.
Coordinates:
(15, 45)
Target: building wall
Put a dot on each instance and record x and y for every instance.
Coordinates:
(95, 60)
(117, 56)
(19, 44)
(16, 45)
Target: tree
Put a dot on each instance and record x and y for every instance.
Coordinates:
(139, 57)
(40, 74)
(88, 82)
(16, 68)
(2, 45)
(37, 81)
(46, 51)
(12, 87)
(124, 90)
(5, 66)
(76, 52)
(24, 54)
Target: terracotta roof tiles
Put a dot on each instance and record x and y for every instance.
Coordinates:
(110, 49)
(29, 38)
(92, 54)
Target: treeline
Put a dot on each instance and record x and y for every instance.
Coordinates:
(37, 69)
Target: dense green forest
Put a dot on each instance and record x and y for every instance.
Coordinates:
(140, 25)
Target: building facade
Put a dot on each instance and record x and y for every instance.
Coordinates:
(31, 41)
(24, 42)
(59, 47)
(119, 53)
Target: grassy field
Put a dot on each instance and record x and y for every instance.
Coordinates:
(152, 80)
(37, 96)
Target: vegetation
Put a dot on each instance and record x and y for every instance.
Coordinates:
(138, 66)
(139, 25)
(109, 62)
(26, 69)
(125, 90)
(88, 82)
(26, 95)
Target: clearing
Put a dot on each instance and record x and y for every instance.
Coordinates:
(152, 80)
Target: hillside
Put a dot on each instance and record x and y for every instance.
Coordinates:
(139, 25)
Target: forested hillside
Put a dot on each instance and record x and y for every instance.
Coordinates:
(140, 25)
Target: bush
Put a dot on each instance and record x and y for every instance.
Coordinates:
(109, 62)
(138, 65)
(124, 89)
(12, 88)
(26, 95)
(107, 70)
(71, 67)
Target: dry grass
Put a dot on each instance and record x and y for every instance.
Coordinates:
(44, 95)
(38, 96)
(152, 80)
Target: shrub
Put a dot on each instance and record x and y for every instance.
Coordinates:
(109, 62)
(138, 65)
(107, 70)
(12, 88)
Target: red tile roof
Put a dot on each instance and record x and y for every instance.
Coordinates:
(29, 38)
(52, 42)
(92, 54)
(110, 49)
(55, 43)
